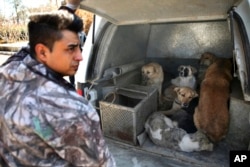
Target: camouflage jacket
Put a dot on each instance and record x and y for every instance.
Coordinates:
(44, 122)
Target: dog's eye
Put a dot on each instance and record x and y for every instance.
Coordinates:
(183, 95)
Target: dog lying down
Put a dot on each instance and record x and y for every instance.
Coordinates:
(180, 97)
(162, 131)
(184, 117)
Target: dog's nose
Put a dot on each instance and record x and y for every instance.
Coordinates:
(185, 105)
(144, 77)
(185, 72)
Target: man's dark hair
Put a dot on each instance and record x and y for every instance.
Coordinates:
(46, 28)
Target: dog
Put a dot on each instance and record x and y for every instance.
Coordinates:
(181, 96)
(152, 75)
(212, 114)
(205, 61)
(186, 77)
(162, 131)
(184, 118)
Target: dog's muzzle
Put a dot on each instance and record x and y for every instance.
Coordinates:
(184, 72)
(144, 80)
(184, 105)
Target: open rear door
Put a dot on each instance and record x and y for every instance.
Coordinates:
(240, 28)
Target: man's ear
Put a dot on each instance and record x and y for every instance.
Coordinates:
(41, 52)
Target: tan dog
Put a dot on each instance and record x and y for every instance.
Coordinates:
(152, 75)
(206, 60)
(211, 115)
(183, 96)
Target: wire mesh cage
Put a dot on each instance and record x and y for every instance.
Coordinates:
(125, 111)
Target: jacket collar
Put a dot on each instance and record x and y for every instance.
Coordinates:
(39, 68)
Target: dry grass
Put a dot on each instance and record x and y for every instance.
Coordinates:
(10, 33)
(87, 18)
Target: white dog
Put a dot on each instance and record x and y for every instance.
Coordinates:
(186, 77)
(163, 132)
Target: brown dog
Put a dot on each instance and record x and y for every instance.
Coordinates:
(152, 74)
(211, 115)
(183, 96)
(206, 60)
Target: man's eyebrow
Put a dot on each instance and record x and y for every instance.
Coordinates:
(73, 45)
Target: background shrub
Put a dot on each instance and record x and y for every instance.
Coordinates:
(10, 33)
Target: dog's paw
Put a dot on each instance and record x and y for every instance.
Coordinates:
(175, 81)
(207, 147)
(188, 145)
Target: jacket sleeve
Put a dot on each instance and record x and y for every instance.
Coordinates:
(71, 126)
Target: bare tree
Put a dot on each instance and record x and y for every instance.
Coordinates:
(18, 6)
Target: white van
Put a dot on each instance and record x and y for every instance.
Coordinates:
(127, 34)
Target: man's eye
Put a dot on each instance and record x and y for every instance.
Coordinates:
(72, 49)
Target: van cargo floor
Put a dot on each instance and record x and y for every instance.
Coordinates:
(150, 155)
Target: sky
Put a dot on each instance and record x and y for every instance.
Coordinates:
(6, 8)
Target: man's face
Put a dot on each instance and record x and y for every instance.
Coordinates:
(65, 55)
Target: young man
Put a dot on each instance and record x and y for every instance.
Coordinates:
(71, 6)
(43, 121)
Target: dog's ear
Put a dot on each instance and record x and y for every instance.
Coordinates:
(180, 67)
(195, 94)
(201, 57)
(194, 70)
(142, 69)
(156, 70)
(177, 89)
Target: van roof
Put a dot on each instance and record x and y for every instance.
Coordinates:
(123, 12)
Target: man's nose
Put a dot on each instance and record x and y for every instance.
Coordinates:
(78, 56)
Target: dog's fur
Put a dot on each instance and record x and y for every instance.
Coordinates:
(186, 77)
(181, 96)
(162, 131)
(211, 115)
(184, 117)
(205, 61)
(152, 75)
